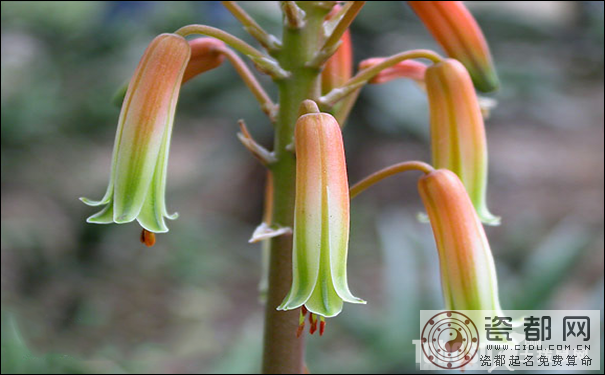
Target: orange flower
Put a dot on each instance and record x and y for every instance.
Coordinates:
(456, 30)
(457, 131)
(140, 157)
(468, 273)
(321, 219)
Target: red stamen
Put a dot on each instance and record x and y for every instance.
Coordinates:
(301, 326)
(322, 326)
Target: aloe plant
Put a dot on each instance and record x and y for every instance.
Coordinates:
(305, 228)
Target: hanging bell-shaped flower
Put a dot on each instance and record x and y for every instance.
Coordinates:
(468, 273)
(457, 130)
(321, 221)
(140, 156)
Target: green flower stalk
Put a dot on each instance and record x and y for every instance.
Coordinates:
(410, 69)
(458, 140)
(140, 156)
(321, 220)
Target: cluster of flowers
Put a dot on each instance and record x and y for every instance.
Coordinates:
(453, 189)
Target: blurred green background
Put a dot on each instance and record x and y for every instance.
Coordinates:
(87, 298)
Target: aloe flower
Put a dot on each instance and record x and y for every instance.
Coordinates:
(457, 131)
(456, 30)
(321, 221)
(140, 156)
(468, 273)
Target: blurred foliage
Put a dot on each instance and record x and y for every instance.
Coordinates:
(18, 359)
(189, 304)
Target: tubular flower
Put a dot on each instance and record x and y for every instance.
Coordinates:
(205, 55)
(456, 30)
(457, 130)
(406, 69)
(339, 68)
(468, 273)
(140, 156)
(321, 221)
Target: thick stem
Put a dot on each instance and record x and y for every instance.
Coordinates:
(283, 351)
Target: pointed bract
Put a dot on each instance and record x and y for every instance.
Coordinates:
(457, 130)
(468, 273)
(321, 221)
(456, 30)
(140, 157)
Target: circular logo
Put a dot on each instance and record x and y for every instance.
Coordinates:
(450, 340)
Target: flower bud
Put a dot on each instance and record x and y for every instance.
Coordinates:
(140, 157)
(321, 221)
(468, 273)
(457, 130)
(456, 30)
(205, 55)
(339, 68)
